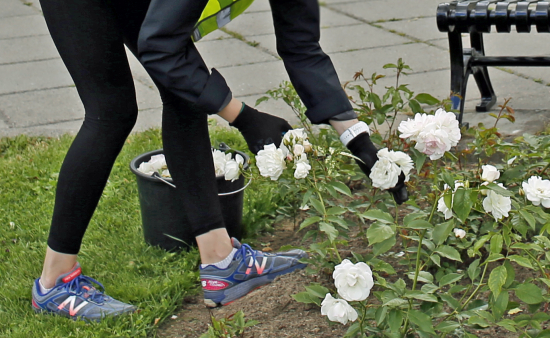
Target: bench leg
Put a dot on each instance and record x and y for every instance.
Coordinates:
(459, 76)
(481, 75)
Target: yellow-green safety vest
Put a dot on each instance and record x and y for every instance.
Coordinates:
(217, 14)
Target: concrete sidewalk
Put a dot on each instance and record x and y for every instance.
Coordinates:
(38, 97)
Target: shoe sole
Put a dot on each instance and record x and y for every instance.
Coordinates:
(242, 289)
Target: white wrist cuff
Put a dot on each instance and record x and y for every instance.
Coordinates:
(353, 131)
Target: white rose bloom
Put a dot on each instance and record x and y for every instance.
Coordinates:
(165, 173)
(232, 170)
(442, 207)
(294, 136)
(353, 281)
(403, 160)
(338, 310)
(497, 204)
(157, 162)
(146, 168)
(537, 191)
(302, 167)
(219, 162)
(271, 162)
(307, 146)
(385, 172)
(489, 173)
(510, 161)
(459, 233)
(298, 149)
(411, 128)
(433, 134)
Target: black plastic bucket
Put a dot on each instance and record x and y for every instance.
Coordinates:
(163, 220)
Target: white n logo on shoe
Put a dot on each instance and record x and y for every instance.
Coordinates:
(253, 262)
(72, 310)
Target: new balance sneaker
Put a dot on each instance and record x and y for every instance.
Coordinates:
(74, 296)
(248, 270)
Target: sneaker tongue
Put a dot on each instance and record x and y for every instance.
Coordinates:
(69, 276)
(236, 243)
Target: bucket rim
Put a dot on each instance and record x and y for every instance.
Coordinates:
(139, 158)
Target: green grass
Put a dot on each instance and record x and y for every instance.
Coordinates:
(113, 250)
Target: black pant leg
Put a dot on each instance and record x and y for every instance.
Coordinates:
(167, 52)
(297, 28)
(87, 37)
(185, 137)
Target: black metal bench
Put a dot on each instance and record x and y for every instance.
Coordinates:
(476, 18)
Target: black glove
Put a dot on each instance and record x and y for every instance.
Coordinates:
(260, 129)
(362, 147)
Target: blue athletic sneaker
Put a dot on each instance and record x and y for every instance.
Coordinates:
(249, 270)
(75, 297)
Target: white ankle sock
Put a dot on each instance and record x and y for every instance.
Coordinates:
(225, 263)
(43, 289)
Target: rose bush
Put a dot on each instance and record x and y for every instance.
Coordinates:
(467, 230)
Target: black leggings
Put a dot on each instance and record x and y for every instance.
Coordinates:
(90, 37)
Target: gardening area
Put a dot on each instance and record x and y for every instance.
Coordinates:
(467, 255)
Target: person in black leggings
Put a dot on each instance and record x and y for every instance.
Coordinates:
(90, 36)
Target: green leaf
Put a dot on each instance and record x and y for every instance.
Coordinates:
(497, 279)
(305, 297)
(508, 324)
(520, 260)
(496, 244)
(421, 320)
(415, 106)
(423, 276)
(528, 218)
(429, 288)
(310, 221)
(378, 215)
(436, 259)
(420, 224)
(340, 187)
(383, 247)
(449, 278)
(336, 211)
(412, 216)
(416, 294)
(453, 303)
(395, 320)
(426, 98)
(448, 252)
(317, 290)
(380, 314)
(499, 190)
(329, 229)
(500, 304)
(510, 274)
(447, 326)
(441, 232)
(474, 270)
(317, 205)
(396, 302)
(463, 203)
(476, 320)
(378, 232)
(529, 293)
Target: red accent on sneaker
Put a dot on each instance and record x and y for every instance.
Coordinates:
(35, 305)
(72, 275)
(213, 285)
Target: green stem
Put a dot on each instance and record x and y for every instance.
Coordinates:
(472, 295)
(544, 170)
(418, 254)
(538, 263)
